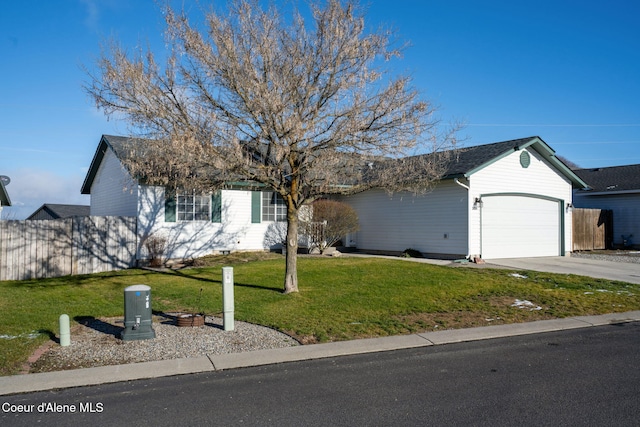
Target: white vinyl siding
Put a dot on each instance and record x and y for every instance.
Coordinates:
(189, 239)
(434, 223)
(113, 192)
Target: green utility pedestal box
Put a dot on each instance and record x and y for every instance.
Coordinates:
(137, 314)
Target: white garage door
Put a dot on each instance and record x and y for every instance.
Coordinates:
(520, 226)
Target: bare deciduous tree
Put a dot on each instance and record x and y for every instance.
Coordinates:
(571, 165)
(303, 106)
(330, 221)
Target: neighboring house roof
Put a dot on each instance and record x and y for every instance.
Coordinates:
(611, 180)
(462, 163)
(57, 211)
(4, 196)
(466, 161)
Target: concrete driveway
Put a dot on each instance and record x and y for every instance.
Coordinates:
(622, 271)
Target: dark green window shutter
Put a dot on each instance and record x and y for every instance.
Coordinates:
(255, 207)
(169, 209)
(216, 206)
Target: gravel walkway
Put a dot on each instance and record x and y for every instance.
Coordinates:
(96, 343)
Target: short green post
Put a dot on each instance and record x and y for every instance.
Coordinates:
(65, 333)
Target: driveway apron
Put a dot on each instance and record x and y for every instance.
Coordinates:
(622, 271)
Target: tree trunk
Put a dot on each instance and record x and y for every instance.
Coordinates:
(291, 272)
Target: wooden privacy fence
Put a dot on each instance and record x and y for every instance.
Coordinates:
(592, 229)
(80, 245)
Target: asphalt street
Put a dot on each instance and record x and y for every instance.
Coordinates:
(579, 377)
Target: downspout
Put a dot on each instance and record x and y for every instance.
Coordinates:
(461, 184)
(468, 189)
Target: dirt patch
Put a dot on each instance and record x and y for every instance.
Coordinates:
(233, 258)
(424, 322)
(498, 310)
(35, 357)
(304, 339)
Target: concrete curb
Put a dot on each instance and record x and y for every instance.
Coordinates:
(135, 371)
(316, 351)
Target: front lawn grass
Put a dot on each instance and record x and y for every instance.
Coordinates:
(339, 299)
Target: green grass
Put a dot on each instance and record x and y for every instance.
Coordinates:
(339, 299)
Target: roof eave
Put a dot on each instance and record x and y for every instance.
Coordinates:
(607, 193)
(4, 196)
(95, 165)
(455, 175)
(550, 155)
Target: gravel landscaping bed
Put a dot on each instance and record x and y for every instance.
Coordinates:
(614, 256)
(96, 342)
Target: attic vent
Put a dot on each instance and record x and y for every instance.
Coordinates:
(525, 159)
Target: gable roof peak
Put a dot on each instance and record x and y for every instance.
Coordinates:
(469, 160)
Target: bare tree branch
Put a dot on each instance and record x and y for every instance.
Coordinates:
(304, 106)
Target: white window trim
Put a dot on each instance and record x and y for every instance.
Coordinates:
(193, 214)
(270, 211)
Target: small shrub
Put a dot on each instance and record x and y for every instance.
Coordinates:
(155, 246)
(330, 221)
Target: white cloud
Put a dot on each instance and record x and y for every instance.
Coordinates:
(31, 188)
(93, 14)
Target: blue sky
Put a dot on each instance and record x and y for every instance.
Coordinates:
(567, 71)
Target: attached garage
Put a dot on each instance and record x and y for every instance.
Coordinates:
(521, 225)
(509, 199)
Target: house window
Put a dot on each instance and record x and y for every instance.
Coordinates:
(273, 207)
(192, 207)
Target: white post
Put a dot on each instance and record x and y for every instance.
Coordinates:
(65, 334)
(227, 298)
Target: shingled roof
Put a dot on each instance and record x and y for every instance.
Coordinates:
(467, 160)
(611, 179)
(57, 211)
(462, 163)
